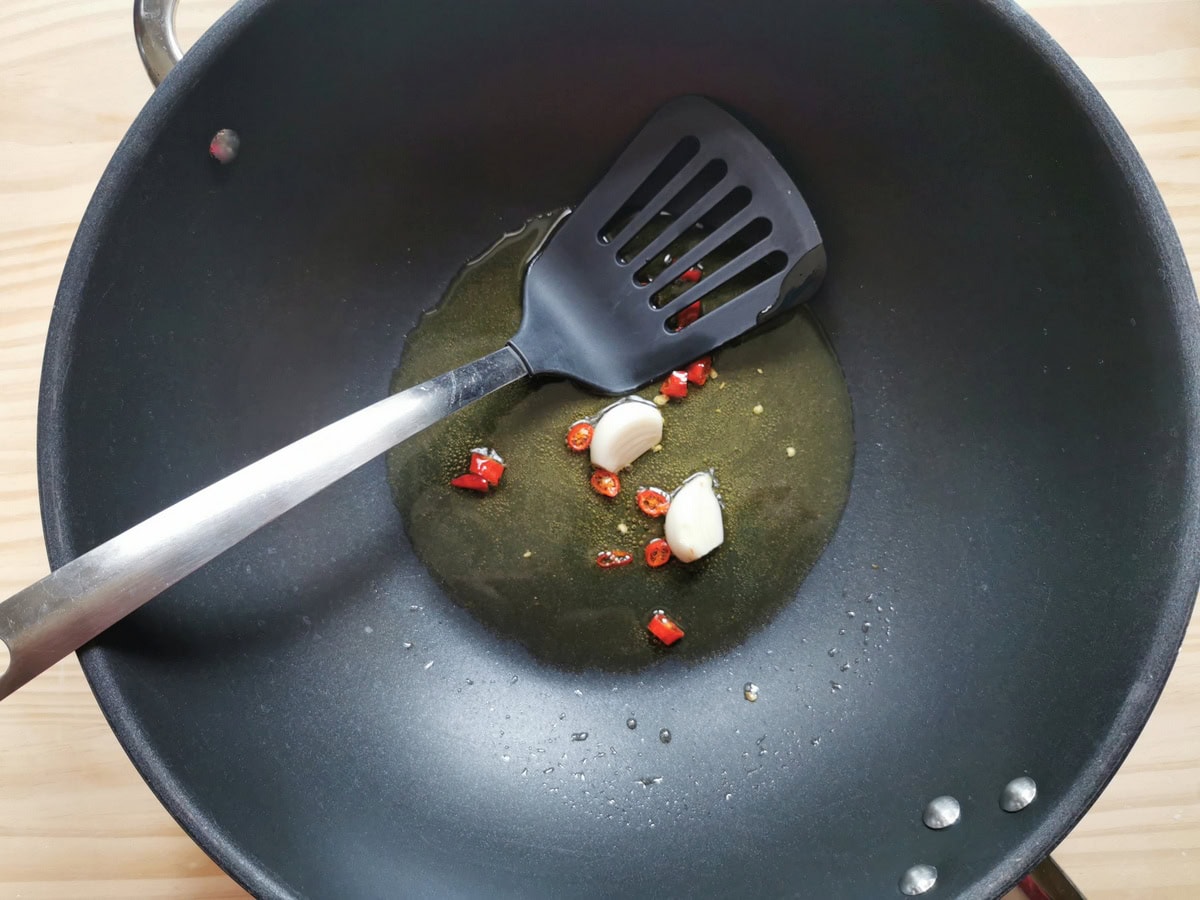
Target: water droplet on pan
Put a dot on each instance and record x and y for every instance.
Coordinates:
(224, 146)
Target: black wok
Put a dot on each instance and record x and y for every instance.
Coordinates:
(1017, 329)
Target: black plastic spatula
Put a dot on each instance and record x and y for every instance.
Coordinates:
(610, 301)
(692, 178)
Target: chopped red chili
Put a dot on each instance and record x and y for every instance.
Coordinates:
(675, 385)
(653, 501)
(471, 482)
(487, 464)
(658, 553)
(692, 275)
(606, 483)
(687, 315)
(664, 628)
(579, 436)
(697, 372)
(610, 559)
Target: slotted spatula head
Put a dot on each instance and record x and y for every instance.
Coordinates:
(610, 300)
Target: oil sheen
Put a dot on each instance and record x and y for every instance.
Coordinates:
(522, 557)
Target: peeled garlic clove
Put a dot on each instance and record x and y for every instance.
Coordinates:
(694, 525)
(625, 431)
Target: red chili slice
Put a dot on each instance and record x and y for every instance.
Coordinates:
(658, 553)
(471, 482)
(697, 372)
(487, 464)
(610, 559)
(664, 628)
(606, 483)
(692, 275)
(675, 385)
(579, 436)
(687, 315)
(653, 501)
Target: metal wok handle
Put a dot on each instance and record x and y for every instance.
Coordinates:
(154, 31)
(70, 606)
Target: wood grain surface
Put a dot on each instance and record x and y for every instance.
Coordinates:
(76, 821)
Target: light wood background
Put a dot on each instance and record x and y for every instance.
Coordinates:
(76, 821)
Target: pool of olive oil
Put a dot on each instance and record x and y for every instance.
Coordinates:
(522, 558)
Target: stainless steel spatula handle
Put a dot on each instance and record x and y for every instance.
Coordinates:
(586, 314)
(66, 609)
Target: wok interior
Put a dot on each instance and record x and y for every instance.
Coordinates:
(1019, 496)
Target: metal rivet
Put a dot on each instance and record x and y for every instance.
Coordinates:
(942, 812)
(1018, 794)
(918, 880)
(224, 146)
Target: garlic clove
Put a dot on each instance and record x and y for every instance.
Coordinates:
(624, 431)
(695, 526)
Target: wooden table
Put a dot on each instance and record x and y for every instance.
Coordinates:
(76, 821)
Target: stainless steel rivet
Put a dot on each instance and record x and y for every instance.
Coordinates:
(224, 146)
(942, 812)
(918, 880)
(1018, 794)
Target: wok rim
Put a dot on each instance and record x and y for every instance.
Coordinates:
(252, 873)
